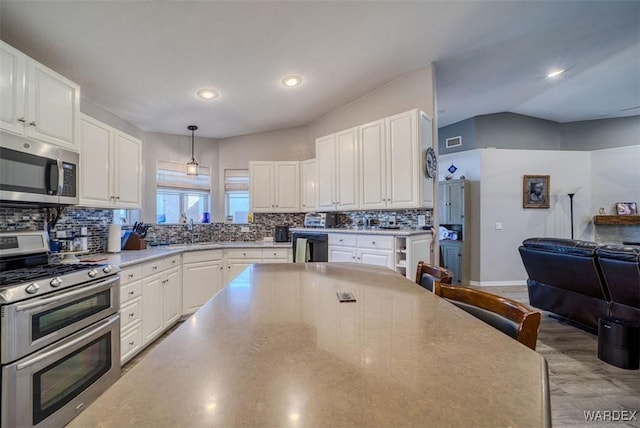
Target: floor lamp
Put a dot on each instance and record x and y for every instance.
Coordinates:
(571, 193)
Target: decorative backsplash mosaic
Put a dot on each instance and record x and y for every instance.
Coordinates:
(97, 221)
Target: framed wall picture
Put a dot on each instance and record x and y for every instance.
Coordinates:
(535, 191)
(626, 208)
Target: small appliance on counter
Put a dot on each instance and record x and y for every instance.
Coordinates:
(281, 234)
(320, 219)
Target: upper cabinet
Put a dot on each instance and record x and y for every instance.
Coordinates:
(337, 169)
(379, 165)
(111, 166)
(451, 202)
(308, 180)
(36, 102)
(274, 186)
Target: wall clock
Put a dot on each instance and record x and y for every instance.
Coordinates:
(430, 163)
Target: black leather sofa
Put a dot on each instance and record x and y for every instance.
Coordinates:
(583, 281)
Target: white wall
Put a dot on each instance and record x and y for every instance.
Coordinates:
(175, 148)
(416, 90)
(616, 177)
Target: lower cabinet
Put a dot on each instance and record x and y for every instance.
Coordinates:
(374, 250)
(130, 312)
(160, 303)
(451, 255)
(202, 276)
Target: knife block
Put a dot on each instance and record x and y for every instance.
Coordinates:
(135, 242)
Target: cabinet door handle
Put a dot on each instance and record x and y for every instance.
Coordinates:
(131, 293)
(132, 343)
(32, 123)
(373, 242)
(22, 119)
(132, 315)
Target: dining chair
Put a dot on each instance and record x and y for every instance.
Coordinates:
(510, 317)
(427, 274)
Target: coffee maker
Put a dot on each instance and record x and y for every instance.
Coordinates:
(281, 234)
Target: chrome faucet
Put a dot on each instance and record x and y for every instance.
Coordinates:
(190, 228)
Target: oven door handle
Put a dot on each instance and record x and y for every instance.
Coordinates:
(62, 348)
(63, 296)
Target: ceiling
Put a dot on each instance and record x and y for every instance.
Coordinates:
(144, 60)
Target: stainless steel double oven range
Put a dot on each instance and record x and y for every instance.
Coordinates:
(60, 333)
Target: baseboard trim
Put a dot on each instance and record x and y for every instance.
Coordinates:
(497, 283)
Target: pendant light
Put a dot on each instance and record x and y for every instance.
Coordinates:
(192, 165)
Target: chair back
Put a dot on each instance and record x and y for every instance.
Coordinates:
(510, 317)
(427, 274)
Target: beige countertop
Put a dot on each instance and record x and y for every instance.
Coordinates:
(275, 348)
(131, 257)
(362, 230)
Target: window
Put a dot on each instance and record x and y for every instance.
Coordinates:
(126, 216)
(181, 197)
(236, 194)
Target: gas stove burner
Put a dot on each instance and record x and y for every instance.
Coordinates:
(33, 273)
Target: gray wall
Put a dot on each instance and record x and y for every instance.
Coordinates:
(515, 131)
(601, 134)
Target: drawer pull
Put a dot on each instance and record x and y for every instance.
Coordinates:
(132, 314)
(131, 293)
(155, 268)
(132, 343)
(130, 276)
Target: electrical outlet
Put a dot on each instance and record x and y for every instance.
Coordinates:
(245, 229)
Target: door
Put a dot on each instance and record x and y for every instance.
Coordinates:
(373, 159)
(342, 254)
(152, 306)
(452, 260)
(128, 163)
(201, 281)
(12, 87)
(96, 170)
(171, 296)
(287, 186)
(309, 181)
(261, 186)
(53, 106)
(375, 257)
(326, 168)
(403, 173)
(347, 169)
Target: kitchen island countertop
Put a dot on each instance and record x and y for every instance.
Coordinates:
(276, 348)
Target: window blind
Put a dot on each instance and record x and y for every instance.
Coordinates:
(236, 180)
(173, 175)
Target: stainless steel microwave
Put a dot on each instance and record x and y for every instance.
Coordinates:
(37, 173)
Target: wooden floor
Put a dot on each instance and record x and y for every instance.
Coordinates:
(579, 381)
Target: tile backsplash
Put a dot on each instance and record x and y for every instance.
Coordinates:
(97, 222)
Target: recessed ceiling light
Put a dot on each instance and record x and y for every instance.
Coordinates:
(556, 73)
(208, 94)
(292, 81)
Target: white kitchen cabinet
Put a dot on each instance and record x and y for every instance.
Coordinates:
(130, 312)
(309, 178)
(369, 249)
(274, 186)
(409, 134)
(37, 102)
(378, 165)
(239, 259)
(202, 273)
(111, 166)
(373, 165)
(410, 250)
(337, 165)
(161, 296)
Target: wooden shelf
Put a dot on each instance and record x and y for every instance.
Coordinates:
(616, 219)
